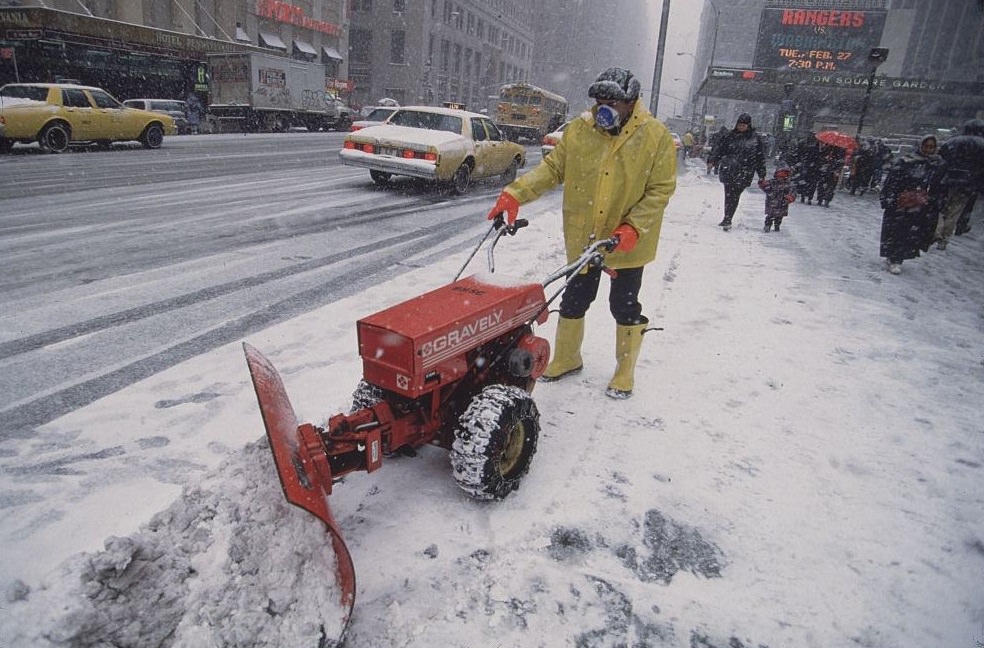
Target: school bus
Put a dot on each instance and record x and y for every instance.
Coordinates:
(526, 111)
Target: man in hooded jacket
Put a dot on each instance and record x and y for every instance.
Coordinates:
(739, 157)
(963, 177)
(618, 167)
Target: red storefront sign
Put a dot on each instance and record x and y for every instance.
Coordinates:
(292, 14)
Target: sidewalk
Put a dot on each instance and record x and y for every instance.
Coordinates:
(801, 464)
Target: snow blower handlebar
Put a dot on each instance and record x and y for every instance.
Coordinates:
(498, 223)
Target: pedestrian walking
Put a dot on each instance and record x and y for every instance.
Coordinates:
(194, 111)
(829, 167)
(618, 167)
(804, 159)
(688, 144)
(862, 168)
(740, 155)
(911, 196)
(778, 195)
(963, 177)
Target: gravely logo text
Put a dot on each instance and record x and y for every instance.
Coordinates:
(460, 335)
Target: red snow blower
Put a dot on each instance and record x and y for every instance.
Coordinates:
(453, 367)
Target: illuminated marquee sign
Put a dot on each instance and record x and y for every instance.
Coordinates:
(292, 14)
(826, 40)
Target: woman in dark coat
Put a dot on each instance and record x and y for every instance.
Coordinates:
(911, 197)
(738, 157)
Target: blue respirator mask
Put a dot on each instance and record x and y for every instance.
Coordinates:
(607, 117)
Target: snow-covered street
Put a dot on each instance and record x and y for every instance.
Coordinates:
(802, 465)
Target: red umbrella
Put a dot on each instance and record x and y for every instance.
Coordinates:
(840, 140)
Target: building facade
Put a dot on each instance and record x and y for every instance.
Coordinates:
(932, 78)
(434, 51)
(146, 48)
(575, 41)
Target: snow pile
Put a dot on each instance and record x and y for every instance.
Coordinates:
(223, 566)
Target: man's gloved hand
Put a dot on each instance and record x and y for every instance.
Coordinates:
(790, 198)
(627, 238)
(508, 205)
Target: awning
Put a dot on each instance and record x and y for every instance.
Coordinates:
(304, 47)
(331, 53)
(241, 34)
(271, 40)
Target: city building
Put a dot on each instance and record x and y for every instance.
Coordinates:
(575, 41)
(906, 67)
(144, 48)
(435, 51)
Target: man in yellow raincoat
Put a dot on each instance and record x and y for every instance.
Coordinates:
(618, 166)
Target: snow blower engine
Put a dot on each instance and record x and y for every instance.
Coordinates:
(453, 368)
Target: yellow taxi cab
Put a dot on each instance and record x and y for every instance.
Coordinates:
(59, 115)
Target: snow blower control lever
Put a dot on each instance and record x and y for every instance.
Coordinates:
(453, 368)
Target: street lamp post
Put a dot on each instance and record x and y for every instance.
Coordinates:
(660, 47)
(876, 57)
(714, 43)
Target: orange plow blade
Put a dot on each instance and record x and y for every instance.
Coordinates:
(301, 463)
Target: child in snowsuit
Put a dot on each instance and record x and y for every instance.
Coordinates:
(778, 195)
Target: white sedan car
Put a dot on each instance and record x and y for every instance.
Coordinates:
(374, 118)
(444, 145)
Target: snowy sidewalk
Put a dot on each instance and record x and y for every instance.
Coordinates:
(801, 464)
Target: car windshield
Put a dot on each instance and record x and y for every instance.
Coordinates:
(380, 114)
(428, 120)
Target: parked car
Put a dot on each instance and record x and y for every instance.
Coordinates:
(173, 107)
(384, 102)
(377, 116)
(550, 139)
(59, 115)
(444, 145)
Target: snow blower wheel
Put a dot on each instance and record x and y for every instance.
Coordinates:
(495, 442)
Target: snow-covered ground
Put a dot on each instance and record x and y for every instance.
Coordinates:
(802, 465)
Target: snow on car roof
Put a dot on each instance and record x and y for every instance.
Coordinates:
(422, 136)
(52, 85)
(455, 112)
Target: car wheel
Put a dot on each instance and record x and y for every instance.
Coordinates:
(510, 173)
(6, 145)
(380, 177)
(461, 179)
(104, 145)
(152, 137)
(54, 138)
(494, 442)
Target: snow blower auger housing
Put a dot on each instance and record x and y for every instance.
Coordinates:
(453, 368)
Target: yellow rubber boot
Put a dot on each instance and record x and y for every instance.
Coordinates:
(628, 343)
(567, 350)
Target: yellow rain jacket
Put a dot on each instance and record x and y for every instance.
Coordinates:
(608, 180)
